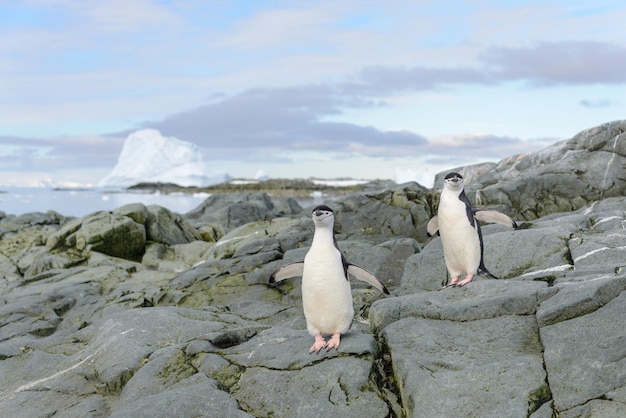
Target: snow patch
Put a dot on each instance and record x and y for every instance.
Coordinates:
(261, 175)
(590, 253)
(339, 182)
(563, 267)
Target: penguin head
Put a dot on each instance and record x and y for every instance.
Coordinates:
(323, 215)
(453, 181)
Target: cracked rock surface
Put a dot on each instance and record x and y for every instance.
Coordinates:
(141, 312)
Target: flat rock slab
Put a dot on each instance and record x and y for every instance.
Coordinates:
(198, 396)
(480, 299)
(463, 369)
(586, 356)
(118, 348)
(281, 378)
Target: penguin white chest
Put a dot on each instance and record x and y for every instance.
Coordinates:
(460, 240)
(326, 293)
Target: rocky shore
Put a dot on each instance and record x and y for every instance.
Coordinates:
(142, 312)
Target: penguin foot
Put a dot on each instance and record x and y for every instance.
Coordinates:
(465, 281)
(320, 343)
(453, 283)
(333, 342)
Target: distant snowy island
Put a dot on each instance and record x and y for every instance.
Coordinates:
(275, 186)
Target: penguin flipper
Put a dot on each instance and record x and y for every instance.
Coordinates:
(287, 271)
(493, 216)
(361, 274)
(433, 226)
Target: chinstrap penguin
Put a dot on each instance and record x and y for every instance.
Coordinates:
(326, 291)
(459, 227)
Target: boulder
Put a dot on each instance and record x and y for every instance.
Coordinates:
(231, 210)
(383, 215)
(564, 177)
(112, 234)
(166, 227)
(125, 232)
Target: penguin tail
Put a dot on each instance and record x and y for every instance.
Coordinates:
(483, 271)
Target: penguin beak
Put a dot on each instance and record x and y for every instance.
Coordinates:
(321, 214)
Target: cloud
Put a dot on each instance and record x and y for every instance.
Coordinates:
(481, 146)
(386, 80)
(273, 124)
(295, 118)
(558, 63)
(597, 104)
(284, 119)
(22, 154)
(543, 64)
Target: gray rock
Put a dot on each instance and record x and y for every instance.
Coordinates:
(111, 234)
(9, 274)
(574, 299)
(486, 368)
(586, 356)
(176, 258)
(597, 408)
(383, 215)
(231, 210)
(257, 235)
(564, 177)
(167, 227)
(484, 299)
(138, 212)
(124, 232)
(19, 222)
(196, 396)
(543, 249)
(385, 260)
(282, 379)
(162, 370)
(39, 262)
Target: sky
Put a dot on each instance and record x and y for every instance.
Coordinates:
(325, 89)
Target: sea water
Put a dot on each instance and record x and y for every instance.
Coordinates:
(81, 202)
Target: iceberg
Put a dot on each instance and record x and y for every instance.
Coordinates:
(149, 157)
